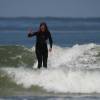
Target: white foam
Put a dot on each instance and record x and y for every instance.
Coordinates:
(57, 80)
(60, 77)
(77, 56)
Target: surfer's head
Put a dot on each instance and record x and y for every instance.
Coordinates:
(43, 27)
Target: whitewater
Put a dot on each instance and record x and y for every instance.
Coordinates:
(73, 69)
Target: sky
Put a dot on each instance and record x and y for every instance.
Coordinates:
(52, 8)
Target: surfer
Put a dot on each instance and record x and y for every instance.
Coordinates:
(41, 49)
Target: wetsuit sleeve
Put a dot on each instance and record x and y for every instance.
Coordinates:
(32, 34)
(50, 40)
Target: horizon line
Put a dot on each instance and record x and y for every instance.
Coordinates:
(45, 17)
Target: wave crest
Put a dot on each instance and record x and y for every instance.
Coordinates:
(70, 70)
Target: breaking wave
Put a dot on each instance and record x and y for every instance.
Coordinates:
(70, 69)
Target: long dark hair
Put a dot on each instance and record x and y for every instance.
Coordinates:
(43, 23)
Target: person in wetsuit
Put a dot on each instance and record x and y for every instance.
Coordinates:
(41, 48)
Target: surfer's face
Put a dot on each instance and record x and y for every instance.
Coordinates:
(42, 28)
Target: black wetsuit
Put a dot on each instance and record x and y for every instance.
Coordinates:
(41, 47)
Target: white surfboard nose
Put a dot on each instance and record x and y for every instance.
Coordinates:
(35, 65)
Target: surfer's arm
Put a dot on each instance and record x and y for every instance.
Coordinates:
(32, 34)
(50, 40)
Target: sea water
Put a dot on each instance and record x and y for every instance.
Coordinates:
(73, 65)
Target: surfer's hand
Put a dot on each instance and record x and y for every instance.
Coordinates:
(50, 49)
(29, 34)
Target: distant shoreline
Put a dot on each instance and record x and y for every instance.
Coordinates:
(48, 17)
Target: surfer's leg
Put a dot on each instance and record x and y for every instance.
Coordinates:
(45, 57)
(39, 58)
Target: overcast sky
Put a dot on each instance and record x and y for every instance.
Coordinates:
(56, 8)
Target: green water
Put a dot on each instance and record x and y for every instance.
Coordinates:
(13, 56)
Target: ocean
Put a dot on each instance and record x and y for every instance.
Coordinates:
(73, 65)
